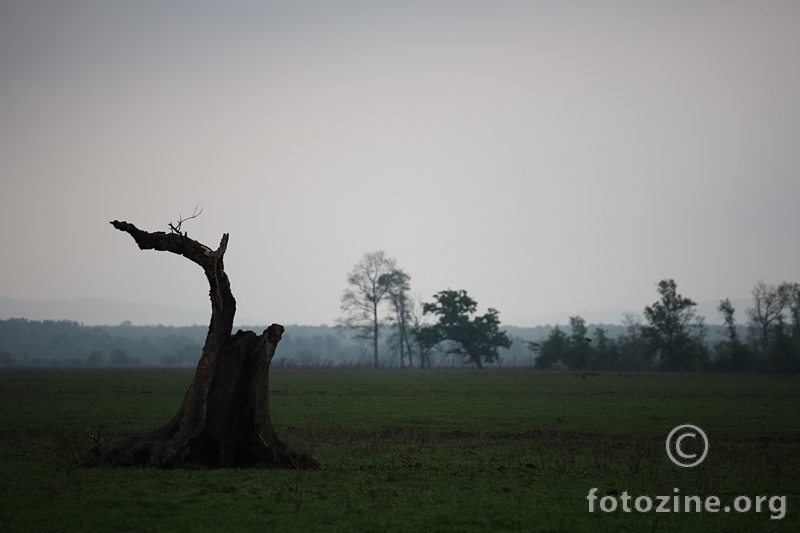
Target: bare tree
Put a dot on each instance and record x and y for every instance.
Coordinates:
(397, 282)
(769, 303)
(419, 336)
(360, 301)
(224, 419)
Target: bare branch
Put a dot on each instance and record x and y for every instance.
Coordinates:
(176, 228)
(223, 304)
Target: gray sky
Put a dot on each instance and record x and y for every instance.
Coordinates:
(546, 157)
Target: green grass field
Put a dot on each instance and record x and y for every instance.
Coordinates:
(407, 451)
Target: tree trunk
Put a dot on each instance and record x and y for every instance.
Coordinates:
(375, 331)
(224, 420)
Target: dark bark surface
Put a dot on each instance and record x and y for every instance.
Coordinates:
(224, 420)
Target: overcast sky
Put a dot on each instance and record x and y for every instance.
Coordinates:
(549, 157)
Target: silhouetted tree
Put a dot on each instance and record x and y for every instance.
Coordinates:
(397, 282)
(674, 330)
(580, 349)
(769, 303)
(426, 338)
(574, 351)
(606, 351)
(732, 355)
(552, 351)
(367, 288)
(794, 311)
(224, 419)
(475, 340)
(423, 338)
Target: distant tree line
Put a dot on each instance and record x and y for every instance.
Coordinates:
(67, 343)
(673, 337)
(447, 331)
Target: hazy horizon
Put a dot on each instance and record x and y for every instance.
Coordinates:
(545, 157)
(106, 312)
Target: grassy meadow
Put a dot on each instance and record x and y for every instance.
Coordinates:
(439, 450)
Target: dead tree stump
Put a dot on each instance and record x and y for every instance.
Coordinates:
(224, 420)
